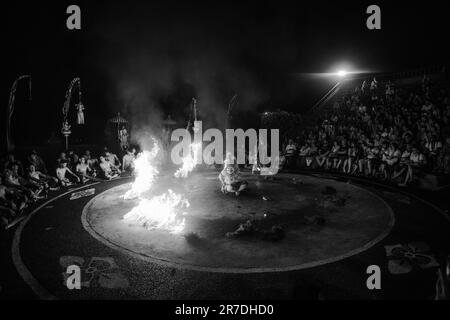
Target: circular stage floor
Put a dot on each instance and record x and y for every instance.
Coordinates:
(352, 220)
(365, 224)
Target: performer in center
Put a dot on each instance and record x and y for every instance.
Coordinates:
(231, 180)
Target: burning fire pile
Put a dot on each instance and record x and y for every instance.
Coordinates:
(165, 211)
(189, 161)
(160, 212)
(145, 171)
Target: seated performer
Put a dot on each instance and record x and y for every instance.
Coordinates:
(84, 171)
(12, 202)
(113, 161)
(63, 173)
(90, 160)
(128, 161)
(13, 180)
(108, 171)
(46, 181)
(231, 182)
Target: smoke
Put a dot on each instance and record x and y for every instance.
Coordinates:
(157, 65)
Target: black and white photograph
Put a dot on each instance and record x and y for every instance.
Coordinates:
(224, 156)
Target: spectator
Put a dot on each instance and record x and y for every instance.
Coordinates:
(373, 84)
(444, 157)
(322, 154)
(432, 150)
(415, 163)
(333, 157)
(290, 153)
(350, 159)
(311, 155)
(303, 153)
(390, 158)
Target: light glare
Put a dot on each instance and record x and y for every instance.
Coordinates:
(342, 73)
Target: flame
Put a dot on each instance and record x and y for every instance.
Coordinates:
(145, 172)
(190, 161)
(165, 211)
(161, 212)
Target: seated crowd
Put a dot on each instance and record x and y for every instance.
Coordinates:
(25, 182)
(394, 134)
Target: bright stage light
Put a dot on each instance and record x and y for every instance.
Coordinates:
(342, 73)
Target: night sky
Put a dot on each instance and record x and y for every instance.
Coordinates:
(148, 58)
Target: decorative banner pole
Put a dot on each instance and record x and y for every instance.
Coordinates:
(231, 104)
(66, 133)
(197, 125)
(194, 107)
(66, 107)
(12, 97)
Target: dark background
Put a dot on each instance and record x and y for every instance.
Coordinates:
(147, 59)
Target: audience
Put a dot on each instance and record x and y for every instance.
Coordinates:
(380, 131)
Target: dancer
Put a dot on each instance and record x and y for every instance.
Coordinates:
(231, 181)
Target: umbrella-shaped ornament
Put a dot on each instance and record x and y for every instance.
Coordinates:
(118, 120)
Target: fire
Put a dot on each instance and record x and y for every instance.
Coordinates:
(165, 211)
(190, 161)
(145, 171)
